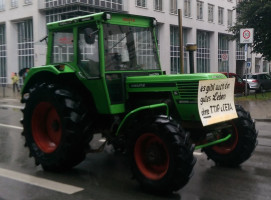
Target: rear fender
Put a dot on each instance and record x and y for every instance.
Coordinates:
(45, 73)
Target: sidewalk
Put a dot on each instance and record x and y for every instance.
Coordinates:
(259, 110)
(7, 93)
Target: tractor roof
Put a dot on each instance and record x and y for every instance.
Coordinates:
(104, 17)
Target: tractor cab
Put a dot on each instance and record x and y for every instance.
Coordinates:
(104, 49)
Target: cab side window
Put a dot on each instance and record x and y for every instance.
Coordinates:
(89, 52)
(62, 46)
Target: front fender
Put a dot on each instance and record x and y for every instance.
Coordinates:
(134, 113)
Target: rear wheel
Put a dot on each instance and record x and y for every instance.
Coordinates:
(241, 144)
(56, 126)
(161, 156)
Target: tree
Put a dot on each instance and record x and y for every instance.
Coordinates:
(255, 14)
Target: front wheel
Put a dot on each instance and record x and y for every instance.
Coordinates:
(161, 156)
(241, 144)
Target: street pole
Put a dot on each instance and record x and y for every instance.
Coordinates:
(181, 40)
(246, 68)
(246, 37)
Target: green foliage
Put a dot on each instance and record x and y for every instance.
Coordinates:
(255, 14)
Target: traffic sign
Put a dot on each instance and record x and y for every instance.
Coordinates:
(224, 57)
(248, 64)
(246, 35)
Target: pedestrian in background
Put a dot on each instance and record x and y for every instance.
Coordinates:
(15, 79)
(25, 74)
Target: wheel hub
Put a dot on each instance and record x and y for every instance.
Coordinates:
(154, 155)
(229, 145)
(46, 127)
(151, 156)
(55, 125)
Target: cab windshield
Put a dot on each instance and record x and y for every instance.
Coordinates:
(129, 48)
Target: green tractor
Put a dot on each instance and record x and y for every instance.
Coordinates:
(103, 75)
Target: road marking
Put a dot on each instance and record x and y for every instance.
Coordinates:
(197, 153)
(17, 100)
(11, 106)
(40, 182)
(10, 126)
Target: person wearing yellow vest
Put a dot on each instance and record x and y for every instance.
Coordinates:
(15, 79)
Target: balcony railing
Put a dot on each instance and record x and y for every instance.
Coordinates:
(106, 4)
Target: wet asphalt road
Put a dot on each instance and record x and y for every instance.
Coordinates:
(106, 175)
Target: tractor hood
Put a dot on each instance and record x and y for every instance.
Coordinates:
(166, 82)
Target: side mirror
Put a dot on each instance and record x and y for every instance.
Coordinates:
(89, 35)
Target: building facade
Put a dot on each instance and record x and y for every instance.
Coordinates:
(205, 23)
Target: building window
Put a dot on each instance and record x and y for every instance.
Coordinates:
(27, 1)
(173, 7)
(14, 3)
(75, 10)
(220, 15)
(203, 51)
(240, 51)
(265, 66)
(158, 5)
(2, 5)
(141, 3)
(223, 48)
(187, 8)
(83, 7)
(210, 13)
(25, 44)
(229, 17)
(175, 50)
(3, 54)
(185, 53)
(200, 10)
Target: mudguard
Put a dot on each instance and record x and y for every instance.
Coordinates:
(134, 113)
(45, 70)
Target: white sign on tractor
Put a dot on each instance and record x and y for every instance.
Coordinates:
(216, 101)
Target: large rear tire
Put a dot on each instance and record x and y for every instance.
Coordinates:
(56, 126)
(240, 146)
(161, 156)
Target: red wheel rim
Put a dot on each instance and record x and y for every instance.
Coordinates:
(151, 156)
(229, 145)
(46, 127)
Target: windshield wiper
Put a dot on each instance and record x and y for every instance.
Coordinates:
(119, 41)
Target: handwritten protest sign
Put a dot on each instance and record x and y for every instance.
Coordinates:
(216, 101)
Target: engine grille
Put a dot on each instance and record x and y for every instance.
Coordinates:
(188, 91)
